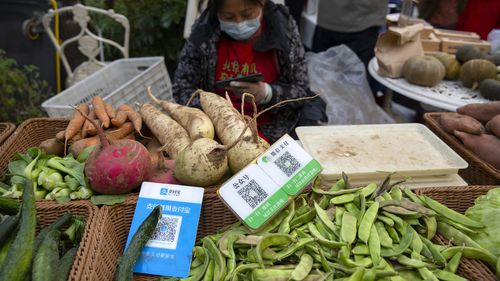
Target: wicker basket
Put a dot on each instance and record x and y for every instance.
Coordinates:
(479, 172)
(114, 225)
(6, 129)
(48, 212)
(30, 133)
(460, 199)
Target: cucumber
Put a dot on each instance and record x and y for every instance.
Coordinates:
(18, 260)
(6, 228)
(65, 264)
(56, 225)
(9, 206)
(140, 238)
(47, 258)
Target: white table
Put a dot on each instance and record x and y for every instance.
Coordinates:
(447, 95)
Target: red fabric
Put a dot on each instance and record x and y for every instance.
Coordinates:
(238, 58)
(480, 16)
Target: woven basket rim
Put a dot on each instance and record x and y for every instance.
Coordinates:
(453, 189)
(432, 117)
(89, 234)
(6, 129)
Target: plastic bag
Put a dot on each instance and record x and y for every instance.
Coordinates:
(339, 77)
(494, 39)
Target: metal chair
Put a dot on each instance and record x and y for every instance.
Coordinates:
(89, 43)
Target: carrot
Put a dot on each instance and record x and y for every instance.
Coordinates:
(87, 126)
(113, 134)
(110, 110)
(120, 118)
(60, 135)
(100, 110)
(76, 123)
(136, 120)
(52, 146)
(169, 133)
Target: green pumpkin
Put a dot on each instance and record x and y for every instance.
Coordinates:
(490, 89)
(466, 53)
(423, 70)
(475, 71)
(451, 65)
(495, 59)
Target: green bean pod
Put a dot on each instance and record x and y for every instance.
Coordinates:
(450, 214)
(303, 268)
(367, 222)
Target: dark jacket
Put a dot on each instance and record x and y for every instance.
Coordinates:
(196, 69)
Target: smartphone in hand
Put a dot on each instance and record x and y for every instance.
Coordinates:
(257, 77)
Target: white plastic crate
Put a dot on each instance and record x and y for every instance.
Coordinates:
(123, 81)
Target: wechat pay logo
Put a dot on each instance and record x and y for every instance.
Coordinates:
(265, 159)
(164, 191)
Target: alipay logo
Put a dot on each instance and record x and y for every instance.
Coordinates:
(164, 191)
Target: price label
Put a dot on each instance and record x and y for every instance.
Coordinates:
(259, 191)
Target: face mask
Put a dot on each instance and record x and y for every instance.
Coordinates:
(240, 30)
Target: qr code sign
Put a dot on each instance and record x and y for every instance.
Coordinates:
(253, 193)
(166, 233)
(287, 164)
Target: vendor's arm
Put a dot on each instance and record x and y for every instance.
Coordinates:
(293, 82)
(187, 75)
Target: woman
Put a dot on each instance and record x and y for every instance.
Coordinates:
(241, 37)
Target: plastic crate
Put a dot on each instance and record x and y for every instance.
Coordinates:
(123, 81)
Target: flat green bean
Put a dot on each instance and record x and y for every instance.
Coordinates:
(302, 219)
(399, 210)
(456, 236)
(471, 253)
(404, 260)
(322, 229)
(352, 208)
(285, 224)
(339, 212)
(271, 274)
(251, 240)
(401, 247)
(361, 249)
(430, 227)
(340, 184)
(374, 245)
(386, 196)
(335, 193)
(458, 226)
(370, 274)
(348, 229)
(274, 239)
(385, 239)
(396, 193)
(303, 268)
(323, 216)
(392, 233)
(450, 214)
(321, 239)
(196, 274)
(453, 263)
(273, 224)
(367, 222)
(416, 243)
(342, 199)
(385, 220)
(216, 256)
(397, 220)
(447, 276)
(413, 197)
(427, 274)
(226, 243)
(357, 275)
(199, 254)
(368, 190)
(290, 250)
(408, 206)
(436, 255)
(209, 274)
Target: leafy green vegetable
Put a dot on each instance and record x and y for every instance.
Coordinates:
(82, 157)
(108, 199)
(487, 210)
(70, 166)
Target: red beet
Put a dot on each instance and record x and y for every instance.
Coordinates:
(161, 171)
(117, 167)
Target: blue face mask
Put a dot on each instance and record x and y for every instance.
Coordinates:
(240, 30)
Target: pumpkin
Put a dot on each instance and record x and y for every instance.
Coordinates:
(466, 53)
(475, 71)
(423, 70)
(451, 65)
(490, 89)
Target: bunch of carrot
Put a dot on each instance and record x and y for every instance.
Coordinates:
(81, 133)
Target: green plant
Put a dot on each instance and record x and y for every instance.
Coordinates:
(156, 27)
(21, 90)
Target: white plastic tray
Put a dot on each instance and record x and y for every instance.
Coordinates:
(369, 152)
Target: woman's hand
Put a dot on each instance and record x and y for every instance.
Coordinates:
(261, 90)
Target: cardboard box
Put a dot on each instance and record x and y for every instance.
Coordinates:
(450, 45)
(431, 44)
(426, 32)
(448, 33)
